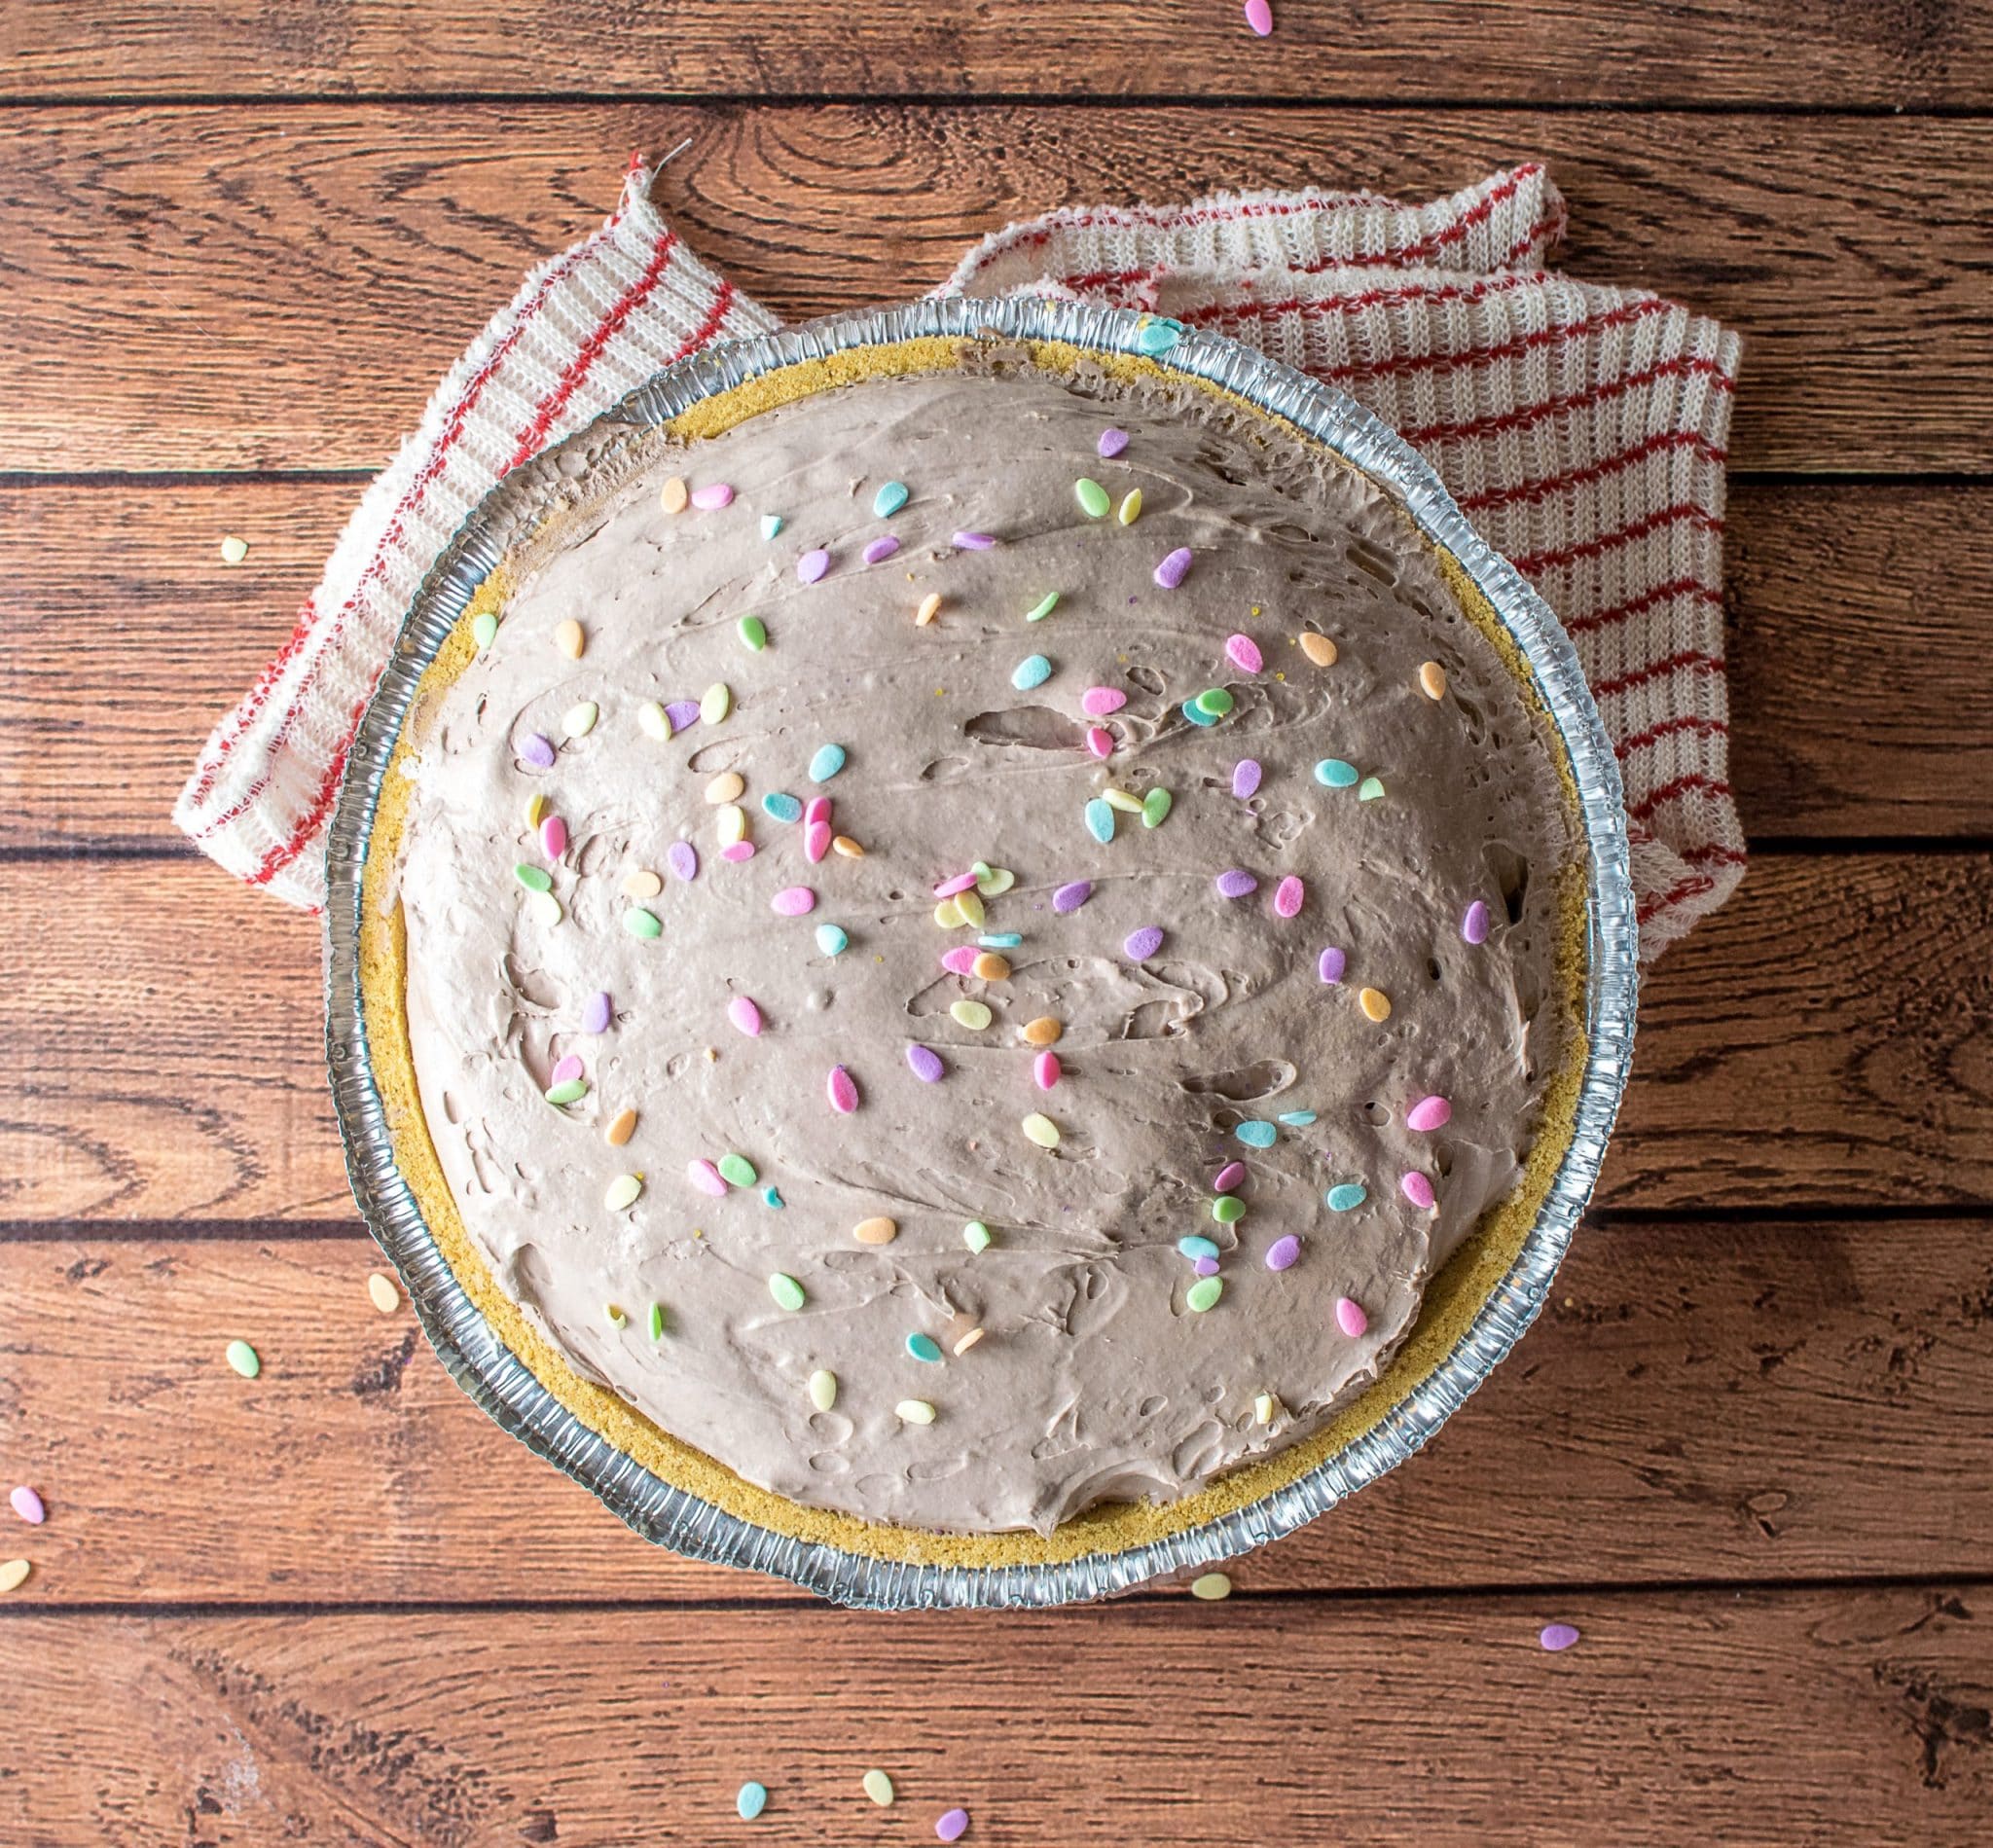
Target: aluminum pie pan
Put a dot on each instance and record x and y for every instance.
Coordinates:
(675, 1518)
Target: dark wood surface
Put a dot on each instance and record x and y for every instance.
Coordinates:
(1745, 1450)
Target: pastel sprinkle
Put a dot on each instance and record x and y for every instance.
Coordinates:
(566, 1091)
(976, 1236)
(713, 496)
(620, 1128)
(823, 1389)
(889, 500)
(879, 550)
(1130, 510)
(989, 967)
(1332, 963)
(1034, 670)
(1296, 1119)
(536, 879)
(925, 1065)
(1046, 1070)
(1214, 701)
(672, 496)
(536, 751)
(552, 837)
(545, 908)
(815, 840)
(234, 548)
(753, 634)
(1228, 1176)
(1101, 742)
(1100, 820)
(643, 925)
(993, 881)
(786, 1291)
(26, 1503)
(654, 721)
(483, 629)
(1259, 16)
(715, 702)
(725, 787)
(1042, 608)
(1203, 1293)
(615, 1317)
(831, 939)
(1155, 808)
(737, 1171)
(1335, 773)
(1100, 702)
(1071, 895)
(970, 906)
(914, 1411)
(1432, 681)
(1289, 896)
(1346, 1196)
(879, 1787)
(596, 1012)
(622, 1191)
(1429, 1114)
(973, 542)
(1000, 940)
(779, 806)
(745, 1016)
(878, 1230)
(842, 1091)
(1282, 1253)
(1121, 801)
(1350, 1316)
(973, 1015)
(1246, 776)
(1197, 715)
(923, 1347)
(1256, 1133)
(1264, 1405)
(960, 958)
(950, 1824)
(812, 565)
(1153, 336)
(681, 714)
(1557, 1637)
(13, 1575)
(1092, 497)
(682, 857)
(1245, 653)
(1111, 443)
(955, 884)
(1418, 1189)
(1042, 1130)
(1229, 1208)
(1175, 568)
(930, 606)
(1473, 927)
(1046, 1031)
(705, 1176)
(1318, 648)
(1236, 883)
(793, 901)
(566, 1068)
(948, 915)
(848, 848)
(1196, 1244)
(1370, 789)
(1140, 945)
(1375, 1003)
(569, 638)
(731, 825)
(580, 719)
(244, 1358)
(1213, 1587)
(655, 1321)
(770, 524)
(751, 1800)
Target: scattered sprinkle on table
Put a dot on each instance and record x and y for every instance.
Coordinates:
(1259, 16)
(381, 1292)
(26, 1503)
(1212, 1587)
(751, 1800)
(1557, 1637)
(244, 1358)
(13, 1575)
(879, 1787)
(235, 549)
(950, 1825)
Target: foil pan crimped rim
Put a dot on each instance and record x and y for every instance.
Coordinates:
(673, 1517)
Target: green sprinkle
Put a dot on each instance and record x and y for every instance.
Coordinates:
(823, 1389)
(642, 923)
(656, 1321)
(770, 524)
(1155, 808)
(889, 500)
(1370, 789)
(923, 1347)
(973, 1015)
(715, 702)
(536, 879)
(1335, 773)
(1346, 1196)
(1205, 1292)
(993, 881)
(1100, 821)
(244, 1359)
(1039, 1128)
(483, 629)
(1229, 1208)
(879, 1787)
(753, 633)
(914, 1411)
(787, 1292)
(832, 940)
(622, 1193)
(568, 1091)
(654, 721)
(1215, 702)
(1042, 608)
(1092, 497)
(738, 1169)
(976, 1236)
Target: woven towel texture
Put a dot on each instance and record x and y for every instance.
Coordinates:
(1581, 426)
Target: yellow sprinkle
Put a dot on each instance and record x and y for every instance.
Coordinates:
(948, 913)
(970, 905)
(1043, 1031)
(1131, 507)
(13, 1575)
(849, 847)
(968, 1341)
(381, 1292)
(732, 821)
(1318, 648)
(989, 967)
(569, 638)
(970, 1014)
(1375, 1003)
(641, 882)
(929, 604)
(1211, 1587)
(1120, 799)
(1263, 1408)
(876, 1231)
(715, 702)
(1040, 1128)
(673, 495)
(620, 1128)
(879, 1787)
(535, 809)
(1432, 681)
(234, 552)
(823, 1389)
(580, 719)
(622, 1193)
(914, 1411)
(617, 1319)
(728, 787)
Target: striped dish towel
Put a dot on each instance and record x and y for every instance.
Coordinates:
(1581, 427)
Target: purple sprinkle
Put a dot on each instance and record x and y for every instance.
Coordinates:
(1474, 926)
(1246, 774)
(1234, 884)
(1072, 897)
(951, 1822)
(1331, 964)
(682, 857)
(1557, 1636)
(1175, 569)
(536, 750)
(812, 565)
(1112, 444)
(595, 1013)
(1205, 1266)
(973, 542)
(1282, 1253)
(1144, 942)
(924, 1064)
(880, 549)
(681, 714)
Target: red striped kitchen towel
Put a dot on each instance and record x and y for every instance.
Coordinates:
(1581, 426)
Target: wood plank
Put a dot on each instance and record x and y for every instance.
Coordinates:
(1823, 1041)
(1817, 1716)
(1863, 695)
(1618, 52)
(278, 287)
(1699, 1402)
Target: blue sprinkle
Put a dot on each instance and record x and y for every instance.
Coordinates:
(1195, 716)
(828, 761)
(831, 940)
(1195, 1247)
(1034, 670)
(1347, 1197)
(923, 1347)
(1298, 1119)
(770, 524)
(752, 1801)
(1256, 1134)
(889, 500)
(779, 807)
(1336, 773)
(772, 1197)
(1157, 335)
(1000, 940)
(1100, 821)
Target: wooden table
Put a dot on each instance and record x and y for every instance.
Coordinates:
(1747, 1450)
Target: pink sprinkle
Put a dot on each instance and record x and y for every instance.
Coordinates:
(708, 1179)
(1428, 1113)
(744, 1015)
(1099, 702)
(924, 1064)
(815, 840)
(552, 837)
(880, 549)
(951, 1822)
(812, 565)
(737, 852)
(536, 750)
(1289, 896)
(1417, 1189)
(1246, 774)
(713, 495)
(566, 1068)
(1557, 1636)
(1282, 1253)
(1244, 651)
(1070, 897)
(1205, 1266)
(962, 960)
(960, 883)
(1228, 1176)
(1175, 569)
(1474, 926)
(817, 809)
(1350, 1316)
(1143, 943)
(842, 1092)
(681, 714)
(1099, 740)
(682, 857)
(1112, 442)
(1332, 963)
(28, 1505)
(595, 1013)
(793, 901)
(1236, 883)
(1045, 1070)
(1259, 16)
(973, 542)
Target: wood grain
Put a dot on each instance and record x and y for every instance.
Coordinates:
(1622, 53)
(1814, 1717)
(278, 287)
(1824, 1040)
(1698, 1402)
